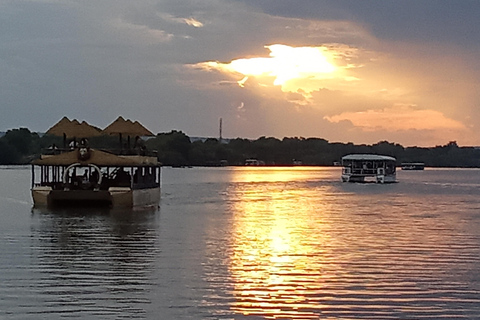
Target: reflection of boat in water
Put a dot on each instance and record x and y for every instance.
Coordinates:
(368, 167)
(413, 165)
(89, 176)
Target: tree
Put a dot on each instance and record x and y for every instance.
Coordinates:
(8, 154)
(173, 148)
(23, 141)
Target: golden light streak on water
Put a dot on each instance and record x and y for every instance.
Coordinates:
(280, 254)
(302, 248)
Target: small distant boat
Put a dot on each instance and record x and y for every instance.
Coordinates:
(296, 162)
(368, 168)
(413, 166)
(254, 162)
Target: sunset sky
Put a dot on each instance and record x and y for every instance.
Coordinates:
(346, 70)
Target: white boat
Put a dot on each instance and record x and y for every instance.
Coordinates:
(413, 165)
(368, 168)
(87, 176)
(254, 162)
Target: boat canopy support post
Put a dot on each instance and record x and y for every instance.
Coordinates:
(131, 177)
(33, 176)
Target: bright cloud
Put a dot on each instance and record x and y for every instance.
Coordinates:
(372, 90)
(292, 68)
(397, 119)
(191, 21)
(286, 63)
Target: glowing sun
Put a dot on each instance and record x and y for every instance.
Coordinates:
(285, 64)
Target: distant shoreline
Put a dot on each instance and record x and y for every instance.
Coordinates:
(175, 148)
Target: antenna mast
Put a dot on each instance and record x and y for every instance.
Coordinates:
(220, 131)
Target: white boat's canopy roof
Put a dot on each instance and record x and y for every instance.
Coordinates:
(367, 157)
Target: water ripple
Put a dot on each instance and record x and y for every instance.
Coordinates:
(253, 244)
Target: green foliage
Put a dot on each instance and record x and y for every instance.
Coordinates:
(17, 145)
(173, 148)
(22, 140)
(8, 153)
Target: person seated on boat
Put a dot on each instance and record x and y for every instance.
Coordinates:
(76, 181)
(139, 146)
(73, 144)
(390, 168)
(71, 178)
(52, 149)
(94, 177)
(136, 176)
(150, 176)
(122, 178)
(85, 176)
(356, 167)
(85, 183)
(84, 143)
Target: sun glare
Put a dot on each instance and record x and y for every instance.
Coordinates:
(286, 63)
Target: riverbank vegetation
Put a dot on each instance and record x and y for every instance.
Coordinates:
(175, 148)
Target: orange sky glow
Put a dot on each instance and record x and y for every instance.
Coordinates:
(374, 91)
(344, 71)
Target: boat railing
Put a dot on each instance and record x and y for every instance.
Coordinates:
(368, 171)
(365, 171)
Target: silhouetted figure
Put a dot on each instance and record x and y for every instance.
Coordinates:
(139, 146)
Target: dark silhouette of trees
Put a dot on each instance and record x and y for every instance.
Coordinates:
(173, 148)
(8, 153)
(20, 146)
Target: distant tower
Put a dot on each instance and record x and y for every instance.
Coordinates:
(220, 131)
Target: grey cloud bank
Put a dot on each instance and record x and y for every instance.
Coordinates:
(94, 61)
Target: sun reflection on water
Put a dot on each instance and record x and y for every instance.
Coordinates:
(278, 261)
(304, 246)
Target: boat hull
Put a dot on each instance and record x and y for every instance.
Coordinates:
(115, 197)
(369, 178)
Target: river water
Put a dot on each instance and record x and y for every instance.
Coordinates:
(249, 243)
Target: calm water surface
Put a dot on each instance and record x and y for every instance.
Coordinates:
(249, 243)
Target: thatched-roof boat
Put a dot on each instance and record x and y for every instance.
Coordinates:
(87, 176)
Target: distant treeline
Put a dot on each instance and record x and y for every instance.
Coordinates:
(20, 146)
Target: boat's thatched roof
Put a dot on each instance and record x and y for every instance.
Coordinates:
(127, 128)
(97, 157)
(73, 129)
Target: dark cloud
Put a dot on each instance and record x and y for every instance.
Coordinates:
(95, 60)
(426, 20)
